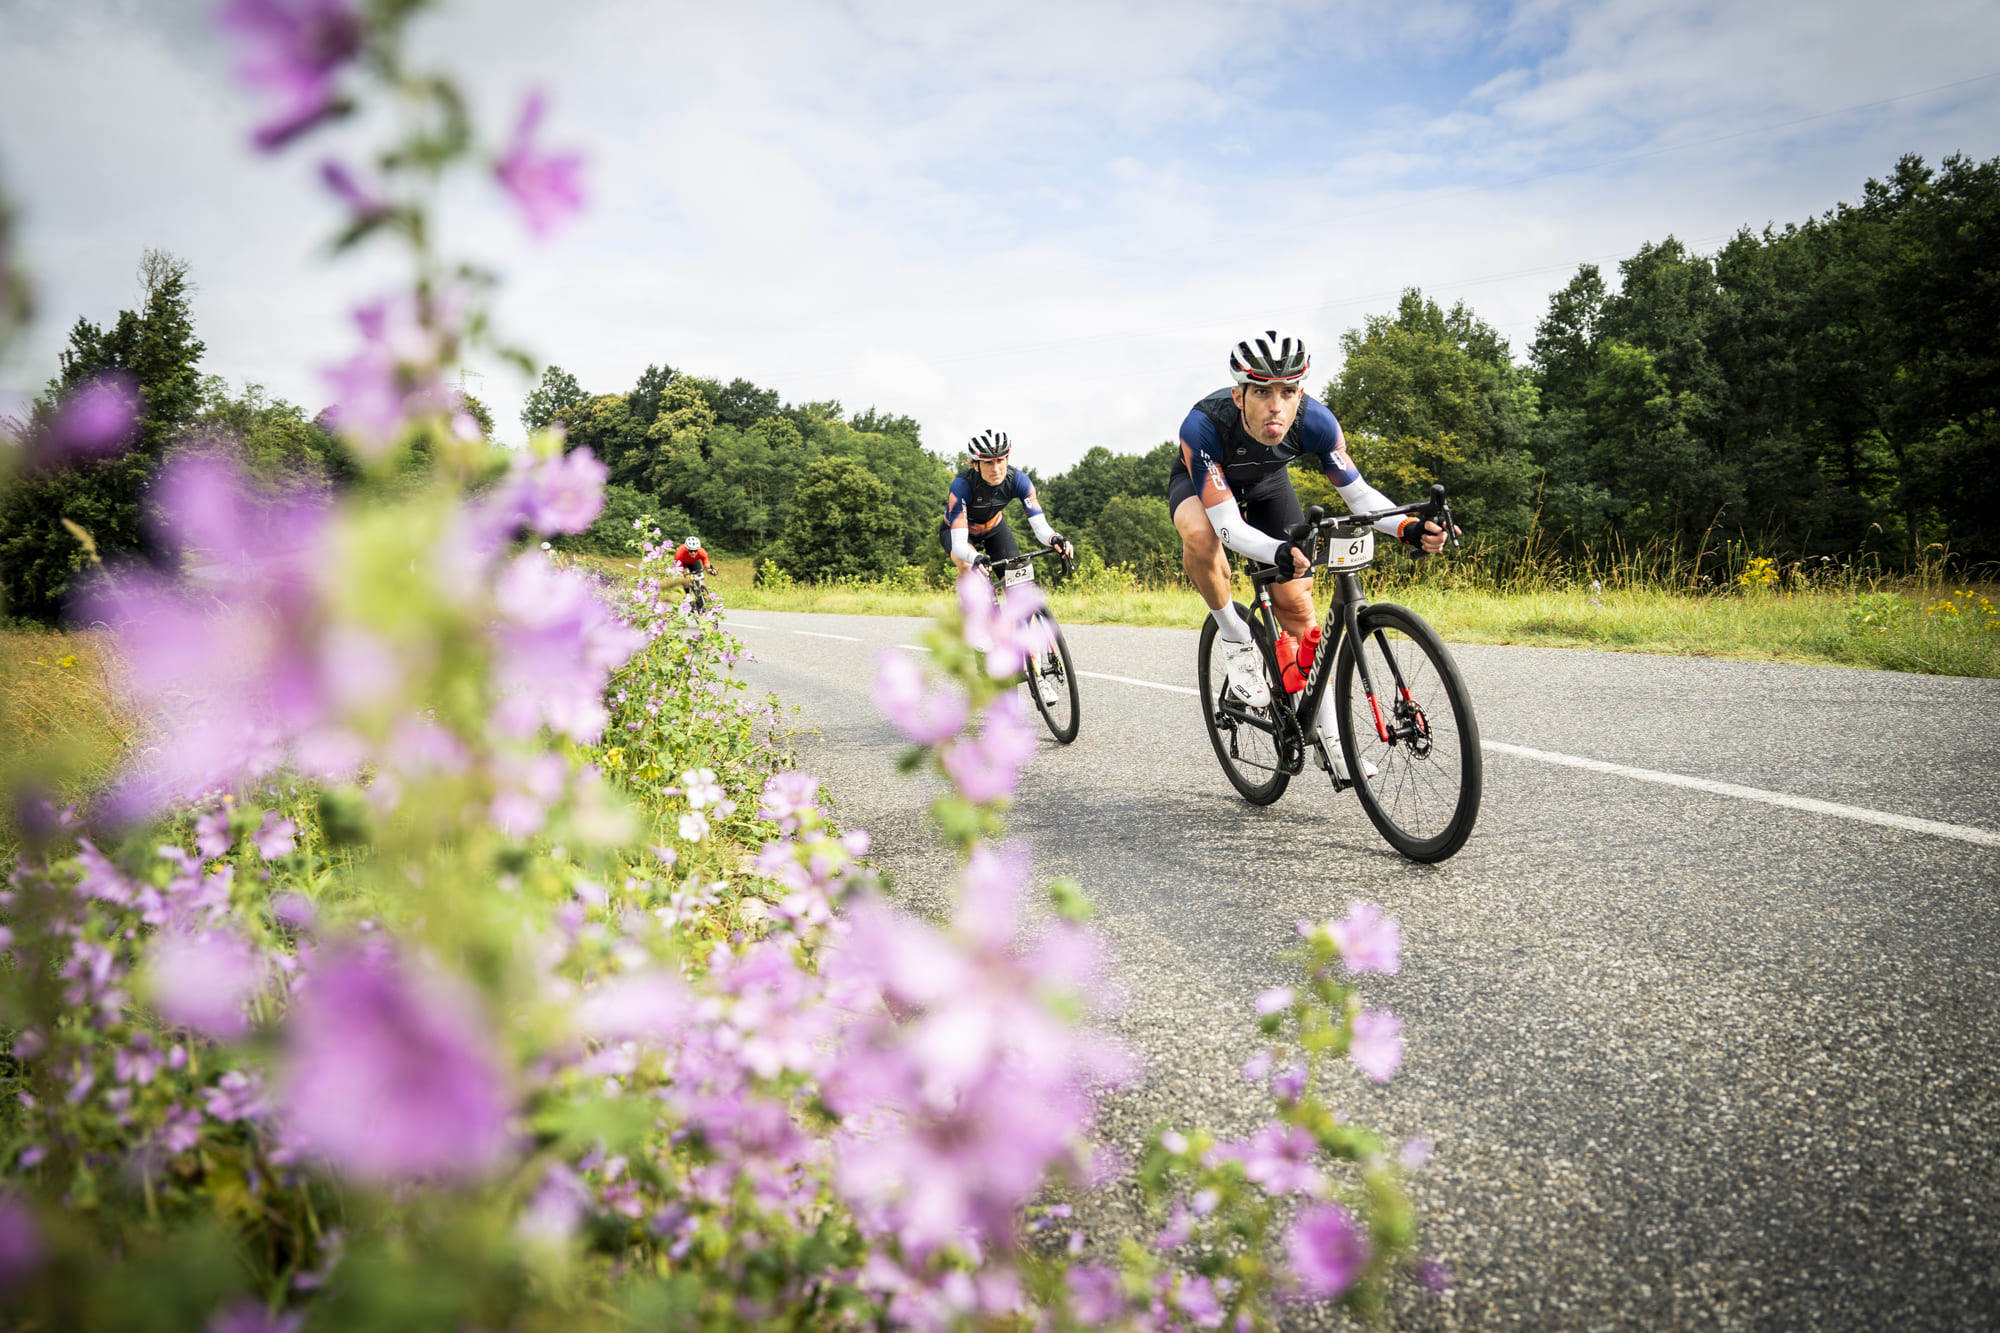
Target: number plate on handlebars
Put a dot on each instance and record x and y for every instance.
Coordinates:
(1018, 574)
(1350, 552)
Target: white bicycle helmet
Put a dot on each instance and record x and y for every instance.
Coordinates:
(1269, 358)
(989, 444)
(694, 543)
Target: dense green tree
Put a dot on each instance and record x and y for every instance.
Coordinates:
(1136, 530)
(644, 400)
(556, 398)
(1078, 495)
(156, 346)
(272, 437)
(872, 422)
(1432, 395)
(843, 523)
(917, 479)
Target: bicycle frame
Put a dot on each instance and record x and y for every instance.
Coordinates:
(1342, 620)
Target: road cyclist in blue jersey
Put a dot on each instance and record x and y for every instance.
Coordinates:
(1230, 491)
(975, 530)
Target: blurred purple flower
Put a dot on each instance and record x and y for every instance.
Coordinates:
(292, 48)
(556, 1210)
(988, 767)
(1325, 1250)
(1414, 1153)
(294, 911)
(340, 180)
(1288, 1083)
(547, 187)
(1377, 1047)
(788, 798)
(202, 981)
(1009, 631)
(223, 657)
(565, 493)
(245, 1315)
(556, 644)
(1278, 1157)
(1367, 940)
(275, 837)
(1276, 1000)
(180, 1130)
(396, 377)
(1096, 1294)
(393, 1074)
(138, 1060)
(212, 837)
(21, 1246)
(1432, 1275)
(95, 421)
(926, 716)
(237, 1095)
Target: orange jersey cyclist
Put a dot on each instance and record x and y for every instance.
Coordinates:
(1229, 491)
(689, 558)
(975, 509)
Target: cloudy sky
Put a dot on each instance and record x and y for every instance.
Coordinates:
(1050, 218)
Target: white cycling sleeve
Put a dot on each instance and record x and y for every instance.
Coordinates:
(1237, 534)
(1361, 498)
(1043, 532)
(961, 546)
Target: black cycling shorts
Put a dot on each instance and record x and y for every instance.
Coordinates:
(997, 542)
(1269, 504)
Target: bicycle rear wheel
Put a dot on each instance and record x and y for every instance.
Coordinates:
(1425, 798)
(1052, 671)
(1249, 754)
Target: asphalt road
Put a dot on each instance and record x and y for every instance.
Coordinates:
(1689, 1059)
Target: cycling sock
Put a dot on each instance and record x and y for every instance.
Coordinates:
(1229, 624)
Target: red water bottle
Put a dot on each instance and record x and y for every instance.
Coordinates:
(1309, 650)
(1288, 664)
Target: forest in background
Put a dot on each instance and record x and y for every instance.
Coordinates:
(1825, 388)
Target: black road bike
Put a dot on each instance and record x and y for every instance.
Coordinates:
(1398, 698)
(1050, 675)
(695, 586)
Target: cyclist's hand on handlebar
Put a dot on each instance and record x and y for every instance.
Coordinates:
(1291, 559)
(982, 561)
(1423, 536)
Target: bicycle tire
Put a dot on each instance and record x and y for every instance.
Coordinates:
(1425, 798)
(1249, 757)
(1056, 664)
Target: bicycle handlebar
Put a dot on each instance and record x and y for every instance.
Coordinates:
(1435, 509)
(1025, 557)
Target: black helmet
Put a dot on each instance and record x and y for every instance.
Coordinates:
(989, 444)
(1269, 359)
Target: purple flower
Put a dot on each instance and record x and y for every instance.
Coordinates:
(294, 911)
(1279, 1158)
(96, 421)
(1414, 1153)
(1276, 1000)
(788, 798)
(237, 1095)
(557, 1208)
(1377, 1047)
(988, 767)
(292, 48)
(1288, 1083)
(202, 981)
(1325, 1250)
(341, 181)
(275, 837)
(392, 1074)
(1096, 1294)
(211, 835)
(244, 1315)
(1432, 1275)
(555, 646)
(927, 717)
(547, 187)
(21, 1247)
(138, 1061)
(1367, 940)
(565, 493)
(1009, 632)
(396, 376)
(180, 1130)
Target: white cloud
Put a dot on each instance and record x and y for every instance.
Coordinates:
(1044, 217)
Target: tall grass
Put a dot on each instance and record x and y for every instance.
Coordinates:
(1725, 599)
(58, 704)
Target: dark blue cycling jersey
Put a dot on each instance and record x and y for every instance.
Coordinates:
(981, 505)
(1220, 455)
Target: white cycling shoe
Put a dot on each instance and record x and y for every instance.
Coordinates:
(1244, 666)
(1329, 749)
(1045, 685)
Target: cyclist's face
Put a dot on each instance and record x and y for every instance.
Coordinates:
(992, 470)
(1268, 409)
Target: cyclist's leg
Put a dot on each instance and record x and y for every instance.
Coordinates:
(1272, 506)
(1202, 555)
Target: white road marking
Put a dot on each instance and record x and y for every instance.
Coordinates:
(1149, 684)
(810, 634)
(743, 624)
(914, 647)
(1962, 832)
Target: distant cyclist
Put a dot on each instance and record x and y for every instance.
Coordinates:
(975, 510)
(689, 558)
(1229, 491)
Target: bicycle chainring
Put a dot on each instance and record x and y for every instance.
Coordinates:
(1291, 741)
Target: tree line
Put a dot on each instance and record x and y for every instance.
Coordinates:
(1824, 387)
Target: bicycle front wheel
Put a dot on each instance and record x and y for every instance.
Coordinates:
(1052, 685)
(1416, 729)
(1248, 747)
